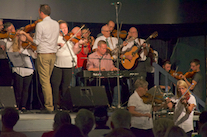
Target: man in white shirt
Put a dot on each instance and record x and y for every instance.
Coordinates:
(46, 36)
(111, 41)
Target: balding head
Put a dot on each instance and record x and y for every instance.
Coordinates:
(75, 29)
(111, 25)
(133, 32)
(105, 31)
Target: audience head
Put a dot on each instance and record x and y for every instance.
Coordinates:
(68, 130)
(111, 25)
(60, 119)
(9, 117)
(120, 132)
(121, 118)
(166, 65)
(101, 116)
(105, 31)
(203, 130)
(85, 120)
(161, 125)
(175, 131)
(202, 119)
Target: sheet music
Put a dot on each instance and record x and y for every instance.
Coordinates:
(19, 60)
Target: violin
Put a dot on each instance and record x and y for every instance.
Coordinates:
(32, 26)
(122, 34)
(148, 98)
(5, 34)
(175, 74)
(26, 44)
(70, 36)
(189, 74)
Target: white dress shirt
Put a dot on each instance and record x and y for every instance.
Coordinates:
(46, 35)
(112, 41)
(131, 43)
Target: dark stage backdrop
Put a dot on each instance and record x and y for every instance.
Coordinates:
(100, 11)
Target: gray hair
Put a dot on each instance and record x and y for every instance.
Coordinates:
(121, 118)
(161, 125)
(140, 83)
(85, 120)
(60, 119)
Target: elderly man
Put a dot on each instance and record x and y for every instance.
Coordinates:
(110, 41)
(111, 26)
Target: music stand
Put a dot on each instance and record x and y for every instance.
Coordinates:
(17, 59)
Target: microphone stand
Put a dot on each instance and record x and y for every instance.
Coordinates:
(99, 76)
(73, 59)
(118, 84)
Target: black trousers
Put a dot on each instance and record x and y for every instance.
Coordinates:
(60, 79)
(21, 89)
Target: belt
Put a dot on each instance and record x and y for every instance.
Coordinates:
(46, 53)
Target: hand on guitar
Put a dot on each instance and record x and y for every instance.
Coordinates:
(124, 43)
(114, 69)
(129, 57)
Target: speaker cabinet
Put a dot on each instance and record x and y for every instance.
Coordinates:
(7, 98)
(84, 97)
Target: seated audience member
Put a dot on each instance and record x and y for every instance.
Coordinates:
(9, 118)
(175, 131)
(59, 119)
(121, 119)
(120, 132)
(85, 121)
(101, 117)
(161, 125)
(201, 122)
(203, 130)
(202, 119)
(68, 130)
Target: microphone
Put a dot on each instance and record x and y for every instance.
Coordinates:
(62, 32)
(115, 3)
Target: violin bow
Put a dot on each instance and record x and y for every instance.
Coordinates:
(77, 32)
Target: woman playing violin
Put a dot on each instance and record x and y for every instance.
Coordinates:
(62, 72)
(22, 76)
(141, 121)
(184, 107)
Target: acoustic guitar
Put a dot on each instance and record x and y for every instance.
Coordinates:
(135, 52)
(113, 52)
